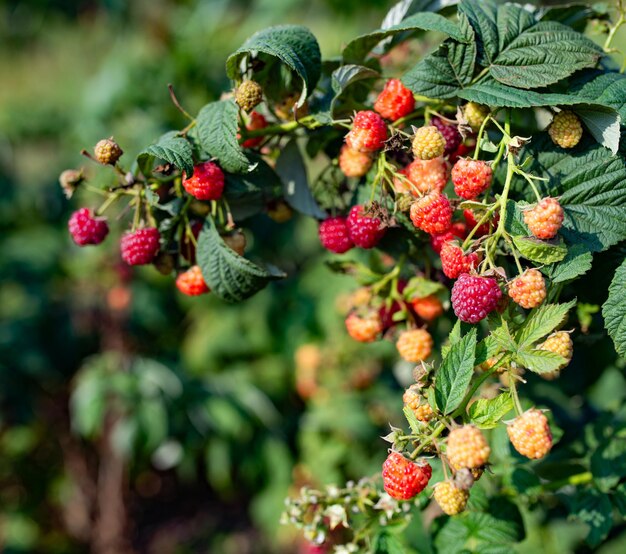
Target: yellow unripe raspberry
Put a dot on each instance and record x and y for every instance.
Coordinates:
(467, 447)
(530, 434)
(415, 345)
(451, 499)
(414, 400)
(475, 114)
(559, 343)
(248, 95)
(428, 143)
(566, 129)
(107, 151)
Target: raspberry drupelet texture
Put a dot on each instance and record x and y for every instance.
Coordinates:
(423, 176)
(475, 114)
(354, 163)
(87, 229)
(191, 282)
(454, 261)
(368, 133)
(566, 129)
(451, 500)
(257, 121)
(206, 183)
(428, 308)
(248, 95)
(558, 343)
(530, 434)
(364, 231)
(414, 400)
(404, 479)
(467, 448)
(364, 328)
(334, 236)
(432, 213)
(471, 178)
(529, 289)
(457, 230)
(395, 100)
(140, 247)
(107, 152)
(545, 219)
(415, 345)
(475, 297)
(428, 143)
(450, 134)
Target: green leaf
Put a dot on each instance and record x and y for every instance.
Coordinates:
(292, 171)
(358, 49)
(603, 124)
(345, 75)
(591, 183)
(576, 263)
(608, 462)
(594, 509)
(483, 17)
(230, 277)
(487, 412)
(442, 73)
(414, 424)
(614, 310)
(540, 322)
(293, 45)
(420, 287)
(171, 148)
(216, 128)
(388, 543)
(619, 499)
(605, 88)
(363, 274)
(486, 348)
(455, 373)
(541, 251)
(539, 361)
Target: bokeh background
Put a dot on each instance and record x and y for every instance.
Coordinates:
(135, 420)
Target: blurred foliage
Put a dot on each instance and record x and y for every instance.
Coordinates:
(215, 410)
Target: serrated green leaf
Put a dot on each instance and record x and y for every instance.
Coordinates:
(486, 348)
(292, 172)
(487, 412)
(348, 74)
(358, 49)
(293, 45)
(576, 263)
(442, 73)
(540, 251)
(540, 322)
(420, 287)
(455, 373)
(614, 310)
(171, 148)
(216, 128)
(539, 361)
(594, 509)
(413, 422)
(230, 277)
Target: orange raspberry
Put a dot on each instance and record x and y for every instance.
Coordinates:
(364, 329)
(467, 448)
(415, 345)
(368, 133)
(423, 176)
(530, 434)
(428, 308)
(432, 213)
(191, 282)
(529, 289)
(545, 219)
(395, 101)
(414, 400)
(354, 163)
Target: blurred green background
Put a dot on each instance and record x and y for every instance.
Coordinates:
(133, 419)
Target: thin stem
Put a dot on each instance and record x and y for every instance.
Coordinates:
(177, 103)
(107, 203)
(513, 389)
(576, 479)
(479, 137)
(437, 431)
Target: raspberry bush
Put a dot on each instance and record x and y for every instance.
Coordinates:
(465, 192)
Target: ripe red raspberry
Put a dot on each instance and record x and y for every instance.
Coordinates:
(457, 230)
(559, 343)
(428, 308)
(206, 183)
(545, 219)
(484, 229)
(451, 500)
(364, 231)
(354, 163)
(530, 434)
(364, 328)
(248, 95)
(422, 177)
(257, 121)
(432, 213)
(471, 178)
(467, 448)
(140, 247)
(191, 282)
(454, 261)
(107, 151)
(475, 114)
(565, 129)
(368, 132)
(404, 479)
(529, 289)
(428, 143)
(450, 133)
(474, 297)
(87, 229)
(414, 400)
(415, 345)
(395, 101)
(334, 236)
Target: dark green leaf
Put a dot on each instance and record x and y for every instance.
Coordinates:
(540, 251)
(614, 310)
(487, 412)
(171, 148)
(594, 509)
(577, 262)
(619, 499)
(540, 322)
(608, 462)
